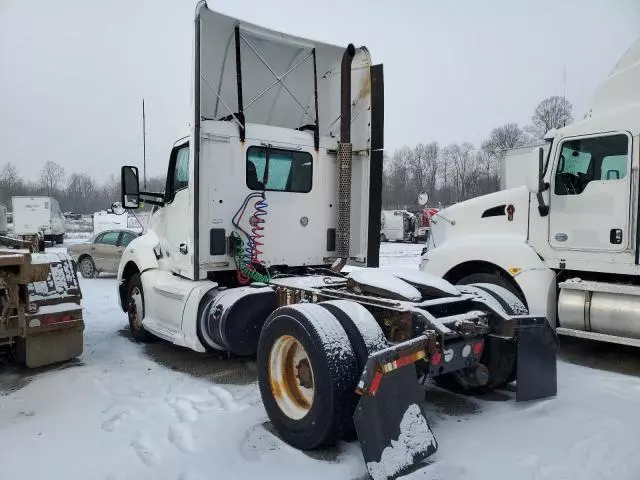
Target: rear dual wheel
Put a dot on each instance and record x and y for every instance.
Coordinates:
(309, 365)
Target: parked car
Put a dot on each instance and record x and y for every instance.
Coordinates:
(102, 252)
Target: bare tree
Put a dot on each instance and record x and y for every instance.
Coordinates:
(552, 112)
(51, 177)
(462, 160)
(503, 138)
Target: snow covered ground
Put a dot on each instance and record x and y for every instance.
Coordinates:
(131, 411)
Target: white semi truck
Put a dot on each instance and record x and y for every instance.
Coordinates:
(566, 244)
(275, 185)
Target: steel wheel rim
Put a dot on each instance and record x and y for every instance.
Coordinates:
(87, 267)
(135, 308)
(291, 377)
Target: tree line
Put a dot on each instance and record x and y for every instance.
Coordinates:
(459, 171)
(76, 192)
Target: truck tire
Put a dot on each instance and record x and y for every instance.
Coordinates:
(307, 372)
(508, 298)
(135, 310)
(59, 239)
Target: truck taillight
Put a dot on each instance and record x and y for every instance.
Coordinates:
(51, 319)
(477, 348)
(436, 358)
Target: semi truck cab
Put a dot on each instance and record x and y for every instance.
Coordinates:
(566, 243)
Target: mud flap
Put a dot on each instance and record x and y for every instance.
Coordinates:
(536, 362)
(393, 432)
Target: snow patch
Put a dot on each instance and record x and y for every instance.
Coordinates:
(146, 450)
(415, 438)
(180, 435)
(225, 398)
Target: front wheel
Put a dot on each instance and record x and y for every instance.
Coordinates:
(135, 310)
(308, 373)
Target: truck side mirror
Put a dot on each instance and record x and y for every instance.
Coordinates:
(130, 187)
(535, 168)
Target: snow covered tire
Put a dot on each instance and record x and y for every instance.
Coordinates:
(334, 375)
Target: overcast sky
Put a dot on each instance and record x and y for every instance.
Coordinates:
(73, 72)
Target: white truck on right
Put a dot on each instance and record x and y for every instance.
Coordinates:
(567, 243)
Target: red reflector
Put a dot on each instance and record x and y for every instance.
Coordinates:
(375, 383)
(436, 358)
(477, 348)
(402, 361)
(66, 317)
(49, 319)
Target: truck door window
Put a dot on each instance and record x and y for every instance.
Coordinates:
(584, 160)
(178, 176)
(279, 170)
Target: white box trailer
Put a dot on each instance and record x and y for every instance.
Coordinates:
(3, 220)
(38, 215)
(513, 166)
(109, 221)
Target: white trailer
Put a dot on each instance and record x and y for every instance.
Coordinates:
(396, 226)
(567, 242)
(38, 216)
(513, 166)
(4, 228)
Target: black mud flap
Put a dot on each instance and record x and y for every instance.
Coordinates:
(536, 363)
(394, 434)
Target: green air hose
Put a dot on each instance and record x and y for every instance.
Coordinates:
(247, 270)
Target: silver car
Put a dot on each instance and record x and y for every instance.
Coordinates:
(102, 252)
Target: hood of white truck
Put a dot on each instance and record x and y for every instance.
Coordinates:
(496, 214)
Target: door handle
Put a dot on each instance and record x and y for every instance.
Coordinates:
(615, 236)
(183, 248)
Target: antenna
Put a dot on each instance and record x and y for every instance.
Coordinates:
(144, 147)
(564, 96)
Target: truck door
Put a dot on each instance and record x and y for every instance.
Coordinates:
(177, 217)
(590, 193)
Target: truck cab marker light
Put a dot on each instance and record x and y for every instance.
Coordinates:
(514, 271)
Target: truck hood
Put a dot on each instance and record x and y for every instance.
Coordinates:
(496, 214)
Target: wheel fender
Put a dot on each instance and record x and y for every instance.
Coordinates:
(140, 252)
(535, 279)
